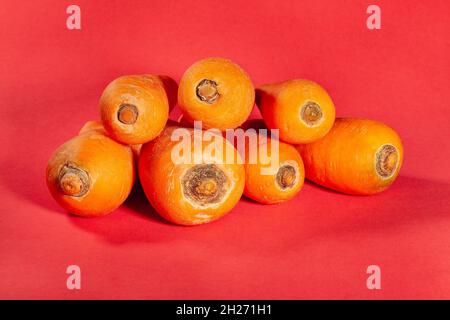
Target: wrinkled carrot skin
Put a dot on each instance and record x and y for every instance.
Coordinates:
(161, 180)
(149, 99)
(109, 166)
(281, 105)
(345, 159)
(232, 104)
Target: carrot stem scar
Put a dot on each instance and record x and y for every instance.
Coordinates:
(311, 113)
(73, 181)
(127, 113)
(204, 184)
(207, 91)
(286, 176)
(386, 161)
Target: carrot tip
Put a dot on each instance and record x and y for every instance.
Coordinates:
(127, 113)
(207, 91)
(311, 114)
(386, 161)
(286, 176)
(204, 184)
(73, 181)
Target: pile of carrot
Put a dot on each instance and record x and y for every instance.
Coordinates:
(93, 173)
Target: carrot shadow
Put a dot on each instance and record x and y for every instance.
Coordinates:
(137, 202)
(408, 201)
(323, 189)
(135, 221)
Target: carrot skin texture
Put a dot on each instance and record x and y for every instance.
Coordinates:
(108, 165)
(228, 100)
(259, 185)
(162, 181)
(134, 109)
(264, 188)
(92, 125)
(345, 159)
(98, 126)
(171, 88)
(282, 107)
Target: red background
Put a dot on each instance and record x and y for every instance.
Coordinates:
(316, 246)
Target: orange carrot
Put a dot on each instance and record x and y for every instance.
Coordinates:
(91, 174)
(189, 193)
(92, 125)
(98, 126)
(134, 109)
(301, 109)
(357, 156)
(171, 89)
(285, 182)
(217, 92)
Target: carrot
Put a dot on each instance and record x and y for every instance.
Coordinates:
(217, 92)
(357, 156)
(285, 183)
(301, 109)
(90, 175)
(171, 89)
(287, 175)
(92, 125)
(189, 193)
(134, 109)
(98, 126)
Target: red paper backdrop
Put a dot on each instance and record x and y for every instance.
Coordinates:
(316, 246)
